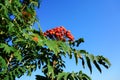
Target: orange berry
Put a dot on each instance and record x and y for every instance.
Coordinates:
(67, 34)
(59, 30)
(35, 39)
(53, 32)
(71, 38)
(50, 32)
(57, 34)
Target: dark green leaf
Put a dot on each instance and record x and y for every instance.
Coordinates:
(85, 77)
(39, 77)
(83, 62)
(39, 64)
(3, 64)
(89, 64)
(79, 41)
(97, 66)
(76, 57)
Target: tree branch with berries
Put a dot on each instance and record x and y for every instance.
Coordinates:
(25, 50)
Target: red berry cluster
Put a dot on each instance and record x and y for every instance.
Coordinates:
(59, 33)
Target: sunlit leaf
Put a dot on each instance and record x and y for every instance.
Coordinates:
(61, 75)
(17, 54)
(6, 48)
(66, 76)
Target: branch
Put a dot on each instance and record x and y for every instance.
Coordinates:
(10, 1)
(11, 56)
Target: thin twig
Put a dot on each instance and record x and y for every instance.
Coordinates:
(11, 56)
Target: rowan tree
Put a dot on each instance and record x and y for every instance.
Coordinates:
(24, 49)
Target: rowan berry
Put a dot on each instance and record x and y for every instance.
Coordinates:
(59, 33)
(35, 39)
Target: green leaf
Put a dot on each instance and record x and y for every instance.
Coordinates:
(61, 75)
(7, 48)
(70, 77)
(11, 27)
(107, 61)
(89, 58)
(73, 75)
(17, 54)
(86, 77)
(3, 64)
(89, 64)
(29, 72)
(83, 76)
(50, 71)
(66, 76)
(80, 75)
(7, 78)
(103, 61)
(39, 77)
(83, 62)
(97, 66)
(18, 72)
(79, 41)
(41, 41)
(65, 48)
(4, 10)
(22, 69)
(39, 64)
(12, 74)
(52, 45)
(35, 3)
(76, 56)
(82, 52)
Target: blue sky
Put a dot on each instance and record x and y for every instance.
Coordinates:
(97, 21)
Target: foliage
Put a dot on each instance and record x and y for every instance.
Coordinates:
(24, 50)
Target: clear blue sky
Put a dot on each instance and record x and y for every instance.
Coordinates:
(97, 21)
